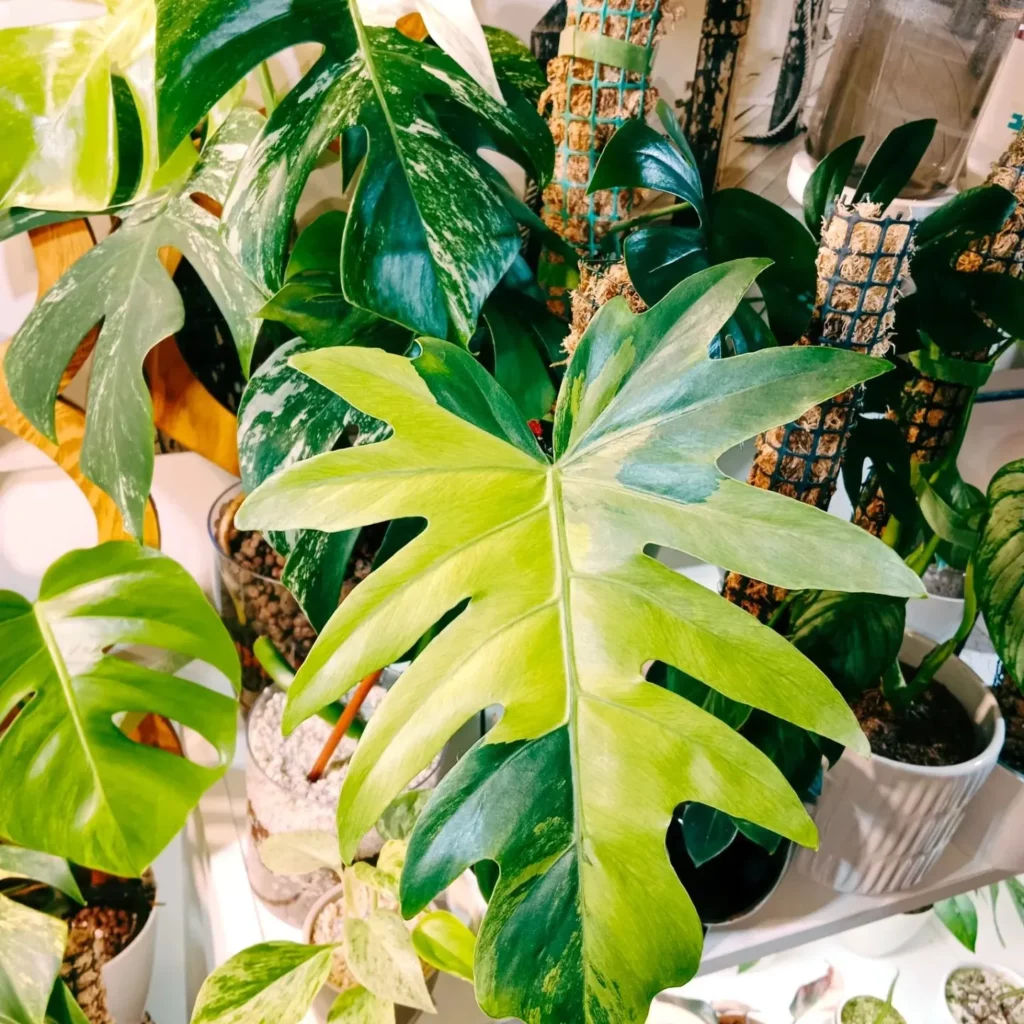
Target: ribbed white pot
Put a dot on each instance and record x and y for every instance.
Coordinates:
(882, 824)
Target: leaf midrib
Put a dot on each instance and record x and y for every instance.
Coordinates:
(64, 676)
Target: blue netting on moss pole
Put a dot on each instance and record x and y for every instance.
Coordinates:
(589, 100)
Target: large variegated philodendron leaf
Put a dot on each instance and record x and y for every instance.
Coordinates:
(572, 793)
(57, 108)
(74, 784)
(122, 282)
(428, 235)
(999, 567)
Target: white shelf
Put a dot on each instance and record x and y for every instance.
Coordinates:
(987, 848)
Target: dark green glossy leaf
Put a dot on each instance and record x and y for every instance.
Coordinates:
(741, 224)
(62, 1007)
(881, 441)
(639, 157)
(827, 181)
(707, 832)
(122, 283)
(427, 236)
(1001, 298)
(123, 801)
(318, 248)
(892, 165)
(675, 132)
(17, 862)
(973, 213)
(746, 331)
(999, 567)
(660, 256)
(933, 362)
(514, 63)
(960, 916)
(852, 638)
(725, 710)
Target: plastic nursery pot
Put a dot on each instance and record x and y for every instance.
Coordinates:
(948, 1010)
(883, 824)
(252, 602)
(329, 991)
(128, 975)
(280, 799)
(733, 886)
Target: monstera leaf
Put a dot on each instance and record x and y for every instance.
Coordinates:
(122, 283)
(75, 786)
(999, 567)
(428, 236)
(572, 793)
(60, 105)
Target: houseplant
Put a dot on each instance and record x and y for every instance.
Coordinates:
(527, 521)
(78, 786)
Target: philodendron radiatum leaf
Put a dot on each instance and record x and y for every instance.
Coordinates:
(75, 785)
(57, 107)
(573, 791)
(428, 235)
(122, 283)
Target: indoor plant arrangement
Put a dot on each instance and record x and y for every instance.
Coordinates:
(532, 563)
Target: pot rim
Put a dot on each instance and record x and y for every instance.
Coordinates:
(860, 995)
(745, 915)
(149, 925)
(988, 755)
(211, 532)
(1007, 972)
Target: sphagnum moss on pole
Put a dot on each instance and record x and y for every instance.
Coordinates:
(931, 410)
(861, 263)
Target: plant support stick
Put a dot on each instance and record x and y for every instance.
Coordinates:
(347, 718)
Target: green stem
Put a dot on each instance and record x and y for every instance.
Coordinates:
(646, 218)
(783, 605)
(267, 88)
(941, 654)
(921, 557)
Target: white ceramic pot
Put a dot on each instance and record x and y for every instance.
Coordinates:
(944, 1013)
(882, 824)
(937, 618)
(127, 977)
(882, 938)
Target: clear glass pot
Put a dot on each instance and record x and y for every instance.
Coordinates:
(899, 60)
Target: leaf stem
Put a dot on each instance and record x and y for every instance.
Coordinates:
(645, 218)
(347, 717)
(270, 100)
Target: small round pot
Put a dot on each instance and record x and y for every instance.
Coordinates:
(937, 618)
(944, 1014)
(328, 993)
(885, 937)
(128, 975)
(839, 1010)
(883, 824)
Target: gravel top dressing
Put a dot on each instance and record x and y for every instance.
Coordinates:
(982, 995)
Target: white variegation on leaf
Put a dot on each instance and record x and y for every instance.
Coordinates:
(122, 283)
(299, 853)
(60, 148)
(31, 951)
(381, 957)
(578, 783)
(452, 24)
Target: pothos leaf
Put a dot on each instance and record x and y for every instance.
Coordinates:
(707, 832)
(122, 283)
(444, 942)
(380, 954)
(274, 981)
(31, 951)
(17, 862)
(563, 609)
(358, 1005)
(122, 801)
(999, 567)
(58, 109)
(427, 236)
(852, 638)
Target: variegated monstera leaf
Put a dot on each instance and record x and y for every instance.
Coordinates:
(78, 108)
(573, 792)
(122, 283)
(428, 234)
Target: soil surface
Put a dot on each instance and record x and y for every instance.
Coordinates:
(1011, 704)
(944, 582)
(933, 731)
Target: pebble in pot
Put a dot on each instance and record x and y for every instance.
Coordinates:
(978, 994)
